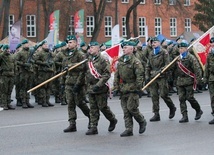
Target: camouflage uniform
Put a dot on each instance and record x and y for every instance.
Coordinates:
(74, 84)
(98, 97)
(128, 80)
(155, 64)
(25, 75)
(185, 86)
(44, 61)
(7, 67)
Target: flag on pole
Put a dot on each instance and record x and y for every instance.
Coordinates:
(115, 35)
(14, 36)
(79, 26)
(201, 46)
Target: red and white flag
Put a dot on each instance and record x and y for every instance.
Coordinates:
(201, 46)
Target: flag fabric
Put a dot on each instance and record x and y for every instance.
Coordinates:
(79, 26)
(201, 46)
(14, 36)
(115, 35)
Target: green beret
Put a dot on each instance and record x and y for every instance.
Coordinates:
(43, 42)
(5, 47)
(169, 43)
(163, 41)
(183, 44)
(71, 37)
(57, 46)
(149, 39)
(94, 43)
(181, 37)
(129, 43)
(1, 46)
(25, 41)
(82, 44)
(63, 44)
(18, 46)
(155, 39)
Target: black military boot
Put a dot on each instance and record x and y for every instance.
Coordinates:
(126, 133)
(28, 104)
(211, 122)
(184, 119)
(155, 118)
(5, 107)
(198, 114)
(10, 107)
(112, 125)
(71, 128)
(172, 112)
(63, 101)
(18, 103)
(57, 99)
(48, 102)
(142, 127)
(24, 105)
(92, 131)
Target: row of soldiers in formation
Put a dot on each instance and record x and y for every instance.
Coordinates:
(135, 66)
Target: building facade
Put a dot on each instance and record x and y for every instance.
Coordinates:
(168, 17)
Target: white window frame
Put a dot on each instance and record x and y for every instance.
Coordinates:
(89, 25)
(173, 27)
(172, 2)
(144, 2)
(157, 2)
(124, 32)
(188, 24)
(142, 26)
(10, 22)
(158, 26)
(108, 26)
(124, 1)
(187, 3)
(31, 26)
(71, 26)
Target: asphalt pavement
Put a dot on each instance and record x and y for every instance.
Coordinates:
(39, 131)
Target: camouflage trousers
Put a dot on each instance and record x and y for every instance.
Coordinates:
(18, 86)
(7, 83)
(98, 102)
(130, 104)
(73, 100)
(160, 88)
(211, 91)
(186, 93)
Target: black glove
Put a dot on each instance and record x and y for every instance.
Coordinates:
(76, 88)
(65, 69)
(95, 88)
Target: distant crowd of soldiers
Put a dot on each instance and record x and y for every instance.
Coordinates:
(30, 66)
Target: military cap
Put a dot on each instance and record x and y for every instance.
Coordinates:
(150, 38)
(94, 43)
(155, 39)
(5, 47)
(63, 44)
(193, 39)
(181, 37)
(71, 37)
(183, 43)
(57, 46)
(42, 43)
(1, 46)
(18, 46)
(82, 44)
(128, 43)
(163, 41)
(25, 41)
(169, 43)
(212, 40)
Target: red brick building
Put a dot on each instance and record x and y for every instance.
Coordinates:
(168, 17)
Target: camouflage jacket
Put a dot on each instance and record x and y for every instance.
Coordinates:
(102, 66)
(58, 60)
(129, 75)
(209, 68)
(156, 63)
(76, 75)
(192, 65)
(7, 65)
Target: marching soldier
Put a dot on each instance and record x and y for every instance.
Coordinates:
(74, 83)
(97, 75)
(209, 75)
(188, 74)
(7, 73)
(158, 59)
(45, 64)
(128, 80)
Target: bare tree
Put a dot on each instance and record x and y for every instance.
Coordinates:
(22, 3)
(5, 18)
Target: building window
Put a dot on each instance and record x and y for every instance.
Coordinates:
(187, 25)
(173, 27)
(157, 2)
(172, 2)
(71, 26)
(143, 2)
(124, 34)
(90, 25)
(125, 1)
(142, 26)
(11, 22)
(31, 25)
(158, 26)
(186, 2)
(108, 26)
(88, 0)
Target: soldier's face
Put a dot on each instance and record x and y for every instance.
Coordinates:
(45, 46)
(128, 50)
(26, 45)
(182, 49)
(94, 50)
(155, 44)
(84, 47)
(72, 44)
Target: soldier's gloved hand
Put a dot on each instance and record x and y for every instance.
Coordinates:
(65, 69)
(76, 88)
(95, 88)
